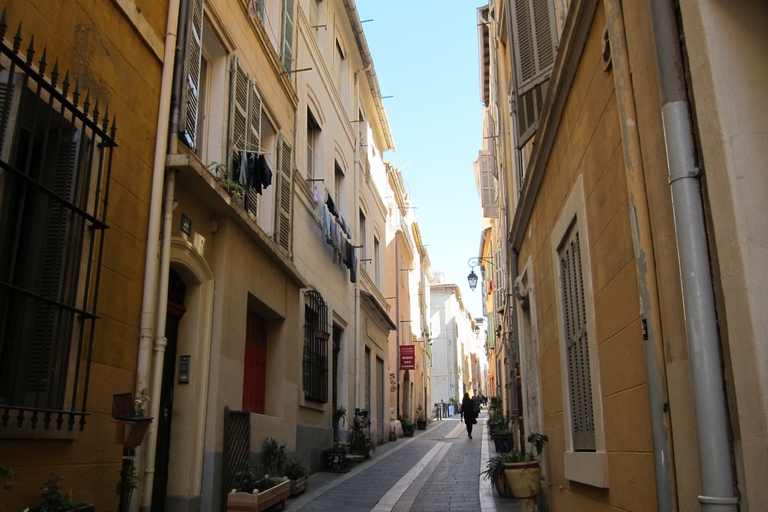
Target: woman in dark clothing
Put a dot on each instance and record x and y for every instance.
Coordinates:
(470, 414)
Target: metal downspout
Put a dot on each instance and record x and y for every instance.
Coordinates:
(151, 265)
(717, 493)
(645, 264)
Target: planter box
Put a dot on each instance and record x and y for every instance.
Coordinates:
(298, 486)
(258, 501)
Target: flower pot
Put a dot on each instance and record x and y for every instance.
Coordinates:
(334, 460)
(408, 431)
(502, 487)
(421, 424)
(524, 478)
(503, 442)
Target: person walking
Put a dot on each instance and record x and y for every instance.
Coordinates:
(470, 413)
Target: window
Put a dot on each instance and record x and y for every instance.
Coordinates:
(585, 453)
(363, 236)
(338, 182)
(315, 347)
(340, 72)
(534, 33)
(54, 181)
(313, 138)
(255, 361)
(286, 47)
(376, 262)
(245, 131)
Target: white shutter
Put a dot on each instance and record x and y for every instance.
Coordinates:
(191, 94)
(284, 194)
(577, 346)
(287, 35)
(488, 188)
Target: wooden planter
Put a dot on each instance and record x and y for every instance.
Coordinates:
(298, 486)
(258, 501)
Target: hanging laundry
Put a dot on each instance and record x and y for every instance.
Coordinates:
(262, 174)
(243, 170)
(330, 203)
(353, 267)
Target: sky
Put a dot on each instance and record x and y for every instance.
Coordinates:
(427, 60)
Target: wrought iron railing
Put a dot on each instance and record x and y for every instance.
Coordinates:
(55, 161)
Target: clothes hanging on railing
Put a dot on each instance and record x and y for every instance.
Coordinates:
(251, 170)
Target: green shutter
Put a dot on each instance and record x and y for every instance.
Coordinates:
(284, 194)
(191, 93)
(287, 35)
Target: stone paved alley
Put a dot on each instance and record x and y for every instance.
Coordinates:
(436, 470)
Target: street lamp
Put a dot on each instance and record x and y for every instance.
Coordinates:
(474, 262)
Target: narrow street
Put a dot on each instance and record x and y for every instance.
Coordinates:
(436, 470)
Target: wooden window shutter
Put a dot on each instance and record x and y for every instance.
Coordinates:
(287, 34)
(489, 192)
(285, 193)
(577, 345)
(534, 32)
(238, 116)
(191, 93)
(254, 139)
(261, 8)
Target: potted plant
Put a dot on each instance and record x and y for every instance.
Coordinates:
(524, 477)
(408, 426)
(360, 443)
(333, 457)
(54, 501)
(255, 491)
(233, 188)
(297, 473)
(275, 456)
(421, 420)
(495, 472)
(503, 439)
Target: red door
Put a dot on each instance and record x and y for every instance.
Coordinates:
(255, 378)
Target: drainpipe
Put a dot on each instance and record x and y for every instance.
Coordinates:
(693, 252)
(150, 293)
(646, 267)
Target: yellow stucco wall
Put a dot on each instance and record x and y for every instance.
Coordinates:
(588, 145)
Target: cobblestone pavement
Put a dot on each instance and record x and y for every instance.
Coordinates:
(436, 470)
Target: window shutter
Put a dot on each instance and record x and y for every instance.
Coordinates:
(577, 347)
(254, 138)
(238, 113)
(59, 253)
(191, 94)
(534, 40)
(10, 96)
(287, 46)
(285, 193)
(489, 194)
(261, 7)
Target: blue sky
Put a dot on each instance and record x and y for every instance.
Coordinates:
(425, 55)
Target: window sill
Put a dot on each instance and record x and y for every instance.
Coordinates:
(589, 468)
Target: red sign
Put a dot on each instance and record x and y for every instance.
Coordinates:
(407, 357)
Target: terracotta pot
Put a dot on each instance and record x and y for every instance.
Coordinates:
(524, 478)
(502, 487)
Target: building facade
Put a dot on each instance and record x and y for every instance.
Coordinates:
(618, 181)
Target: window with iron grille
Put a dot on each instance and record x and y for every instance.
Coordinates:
(56, 158)
(315, 347)
(576, 341)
